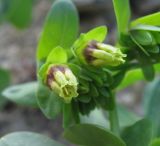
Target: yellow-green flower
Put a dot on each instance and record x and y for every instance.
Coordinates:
(98, 54)
(90, 50)
(62, 81)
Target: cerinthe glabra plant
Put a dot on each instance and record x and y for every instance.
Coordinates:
(77, 75)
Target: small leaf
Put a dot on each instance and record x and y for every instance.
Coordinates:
(139, 134)
(48, 101)
(139, 45)
(4, 78)
(19, 12)
(4, 82)
(3, 9)
(146, 27)
(153, 49)
(146, 66)
(148, 72)
(60, 28)
(142, 37)
(152, 19)
(91, 135)
(134, 76)
(57, 55)
(126, 117)
(43, 71)
(22, 94)
(27, 139)
(156, 35)
(118, 79)
(84, 98)
(122, 12)
(99, 34)
(151, 103)
(155, 142)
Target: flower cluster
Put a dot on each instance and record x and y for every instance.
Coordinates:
(77, 80)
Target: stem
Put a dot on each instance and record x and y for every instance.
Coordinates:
(113, 118)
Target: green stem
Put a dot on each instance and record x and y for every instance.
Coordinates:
(113, 118)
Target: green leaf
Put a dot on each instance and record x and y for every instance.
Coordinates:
(60, 28)
(22, 94)
(27, 139)
(146, 66)
(134, 39)
(91, 135)
(19, 12)
(57, 55)
(148, 72)
(146, 27)
(152, 19)
(151, 102)
(122, 12)
(142, 37)
(153, 49)
(4, 78)
(43, 71)
(48, 101)
(99, 34)
(131, 77)
(3, 9)
(155, 142)
(118, 79)
(4, 82)
(134, 76)
(139, 134)
(156, 37)
(126, 117)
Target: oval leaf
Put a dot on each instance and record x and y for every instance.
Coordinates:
(152, 19)
(19, 12)
(60, 28)
(147, 27)
(48, 101)
(91, 135)
(98, 34)
(139, 134)
(151, 100)
(27, 139)
(142, 37)
(156, 142)
(122, 12)
(4, 82)
(57, 55)
(134, 76)
(22, 94)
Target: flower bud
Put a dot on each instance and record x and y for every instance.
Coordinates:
(99, 54)
(62, 81)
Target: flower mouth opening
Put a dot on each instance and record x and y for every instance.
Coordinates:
(62, 81)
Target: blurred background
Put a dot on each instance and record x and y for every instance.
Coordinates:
(17, 54)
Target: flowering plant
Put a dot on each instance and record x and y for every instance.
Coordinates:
(79, 77)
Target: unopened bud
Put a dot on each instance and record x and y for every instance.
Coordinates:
(99, 54)
(62, 81)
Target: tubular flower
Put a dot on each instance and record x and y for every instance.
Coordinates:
(99, 54)
(62, 81)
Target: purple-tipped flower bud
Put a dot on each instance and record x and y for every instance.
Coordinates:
(62, 81)
(99, 54)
